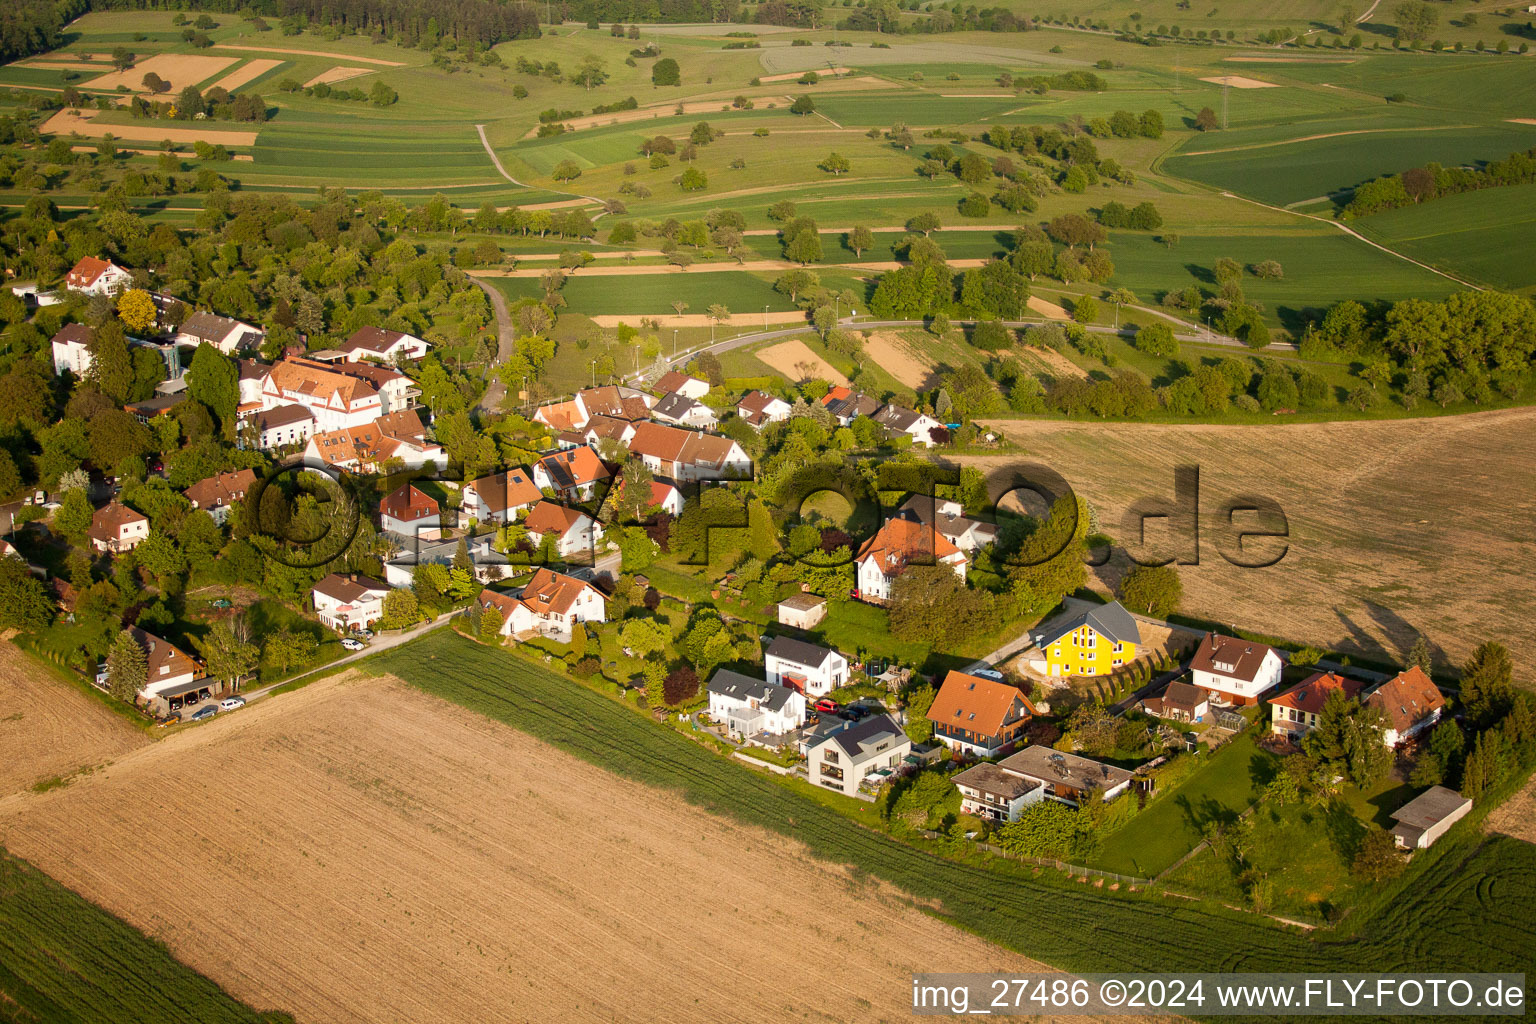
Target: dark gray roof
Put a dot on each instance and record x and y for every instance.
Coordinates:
(1061, 768)
(739, 687)
(798, 651)
(1430, 807)
(854, 739)
(896, 418)
(989, 778)
(1110, 620)
(674, 406)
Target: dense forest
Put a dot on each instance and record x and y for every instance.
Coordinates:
(487, 22)
(34, 26)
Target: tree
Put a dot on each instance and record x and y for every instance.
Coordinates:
(680, 685)
(1085, 310)
(401, 609)
(645, 637)
(1415, 20)
(693, 180)
(834, 163)
(1206, 120)
(284, 648)
(491, 623)
(803, 105)
(919, 699)
(566, 170)
(213, 380)
(122, 58)
(591, 73)
(1156, 339)
(137, 310)
(228, 651)
(1487, 684)
(666, 72)
(1347, 740)
(127, 667)
(1153, 590)
(73, 518)
(1376, 858)
(859, 239)
(24, 602)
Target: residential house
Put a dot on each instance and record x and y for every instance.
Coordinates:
(253, 374)
(1069, 778)
(1234, 671)
(575, 533)
(281, 426)
(902, 542)
(215, 494)
(339, 395)
(674, 382)
(160, 405)
(498, 498)
(115, 527)
(802, 611)
(979, 717)
(851, 757)
(1409, 703)
(407, 511)
(899, 421)
(1296, 710)
(349, 601)
(686, 455)
(611, 400)
(550, 604)
(847, 405)
(367, 447)
(1428, 816)
(1092, 643)
(573, 475)
(948, 518)
(666, 497)
(383, 345)
(759, 408)
(813, 670)
(600, 429)
(97, 277)
(72, 349)
(489, 564)
(996, 795)
(748, 707)
(173, 674)
(223, 333)
(683, 411)
(1180, 702)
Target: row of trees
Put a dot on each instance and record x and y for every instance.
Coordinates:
(1432, 181)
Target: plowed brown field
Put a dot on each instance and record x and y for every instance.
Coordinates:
(359, 851)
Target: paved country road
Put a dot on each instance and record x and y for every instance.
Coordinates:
(496, 390)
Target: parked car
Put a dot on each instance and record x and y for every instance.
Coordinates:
(222, 603)
(855, 713)
(352, 645)
(230, 703)
(826, 704)
(988, 673)
(204, 713)
(365, 634)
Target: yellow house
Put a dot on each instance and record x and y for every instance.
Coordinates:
(1095, 643)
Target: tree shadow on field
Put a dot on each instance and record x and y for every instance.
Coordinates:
(1295, 320)
(1344, 830)
(1203, 274)
(1203, 811)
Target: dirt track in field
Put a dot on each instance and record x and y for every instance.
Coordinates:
(48, 728)
(795, 360)
(1395, 526)
(311, 53)
(364, 852)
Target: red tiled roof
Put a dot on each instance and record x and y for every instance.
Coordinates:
(108, 521)
(501, 491)
(574, 467)
(901, 541)
(1407, 699)
(977, 704)
(1311, 695)
(548, 517)
(408, 503)
(222, 489)
(1230, 657)
(554, 592)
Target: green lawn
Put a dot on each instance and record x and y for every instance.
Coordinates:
(1464, 912)
(65, 959)
(1171, 825)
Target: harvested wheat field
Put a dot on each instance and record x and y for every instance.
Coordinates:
(338, 74)
(71, 122)
(1049, 309)
(1516, 817)
(180, 69)
(247, 72)
(797, 362)
(895, 356)
(1395, 527)
(48, 728)
(1049, 361)
(791, 75)
(1239, 82)
(387, 856)
(311, 53)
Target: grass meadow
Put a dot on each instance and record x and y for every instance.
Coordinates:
(1474, 234)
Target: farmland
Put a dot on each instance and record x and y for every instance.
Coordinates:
(1472, 234)
(385, 834)
(1378, 551)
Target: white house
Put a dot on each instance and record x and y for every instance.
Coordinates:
(899, 543)
(386, 346)
(338, 394)
(349, 601)
(948, 518)
(843, 760)
(499, 497)
(918, 426)
(573, 474)
(223, 333)
(575, 533)
(813, 670)
(749, 707)
(281, 426)
(407, 511)
(1297, 711)
(1068, 778)
(995, 795)
(759, 408)
(172, 673)
(551, 604)
(1235, 671)
(675, 383)
(365, 448)
(686, 455)
(97, 277)
(683, 411)
(115, 527)
(1409, 704)
(72, 349)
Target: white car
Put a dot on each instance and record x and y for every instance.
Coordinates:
(988, 673)
(230, 703)
(352, 645)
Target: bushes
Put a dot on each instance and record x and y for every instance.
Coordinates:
(1156, 339)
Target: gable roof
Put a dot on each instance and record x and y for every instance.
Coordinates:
(282, 416)
(319, 382)
(108, 521)
(897, 418)
(73, 334)
(736, 686)
(901, 542)
(674, 406)
(88, 270)
(164, 658)
(1230, 657)
(501, 600)
(616, 401)
(803, 601)
(855, 739)
(1407, 699)
(674, 380)
(374, 339)
(1311, 695)
(350, 587)
(1430, 807)
(754, 405)
(846, 404)
(550, 592)
(210, 327)
(1110, 620)
(799, 652)
(574, 467)
(977, 704)
(512, 488)
(408, 503)
(1184, 696)
(222, 489)
(549, 517)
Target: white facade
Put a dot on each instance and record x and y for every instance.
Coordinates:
(875, 584)
(363, 605)
(108, 281)
(818, 679)
(72, 355)
(842, 761)
(1266, 679)
(580, 538)
(749, 707)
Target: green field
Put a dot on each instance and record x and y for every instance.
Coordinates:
(1461, 907)
(1484, 236)
(65, 959)
(653, 294)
